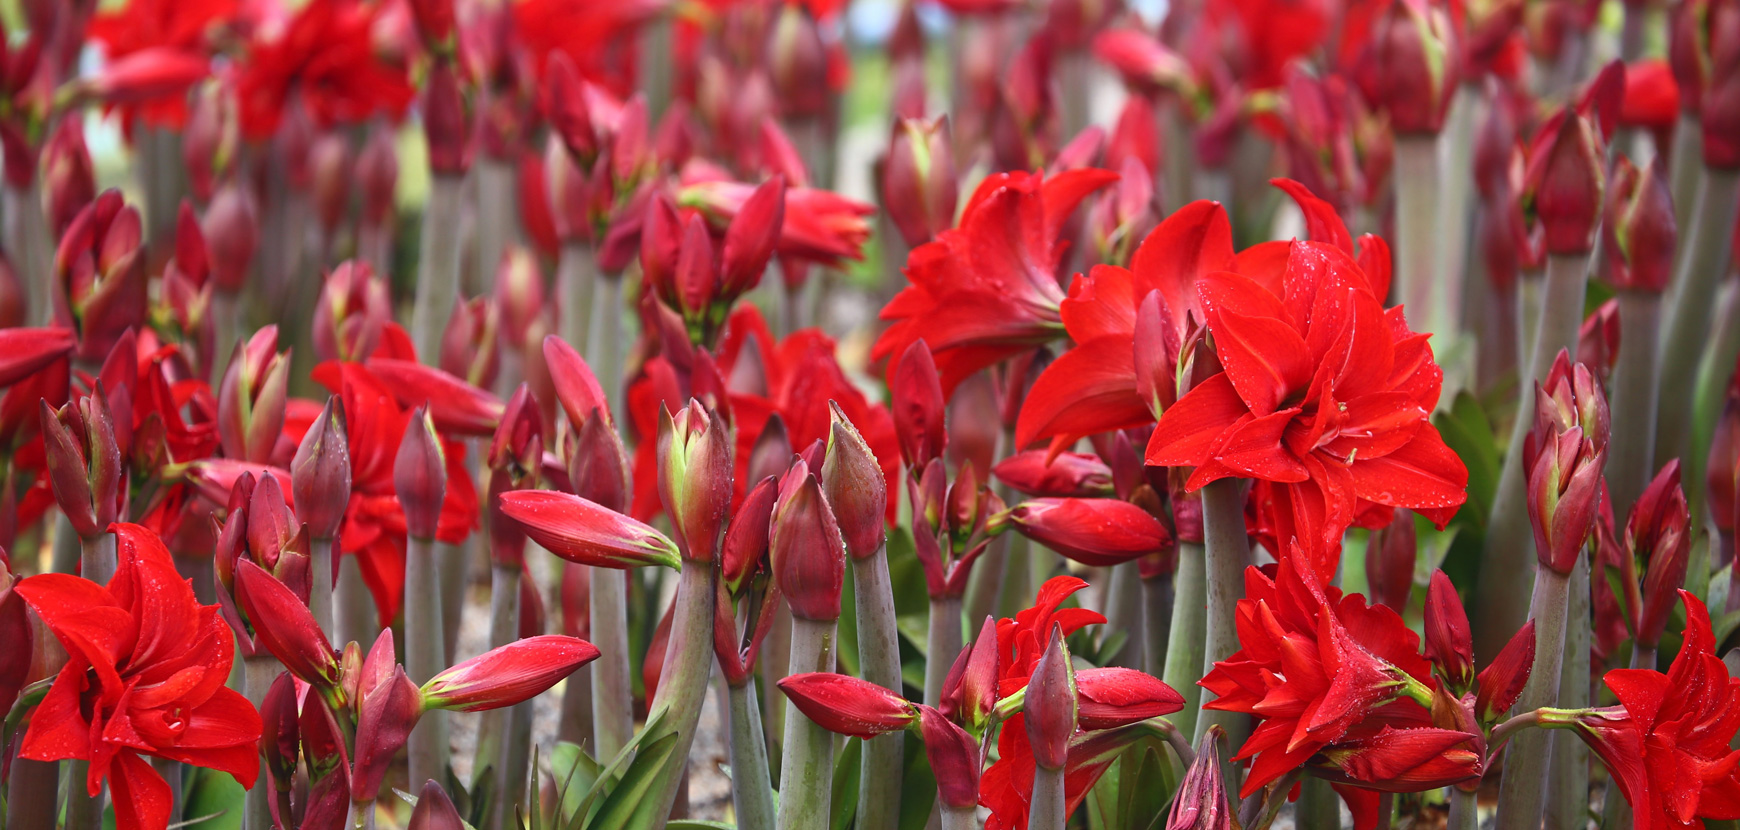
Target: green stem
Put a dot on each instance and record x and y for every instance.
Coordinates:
(320, 591)
(807, 766)
(751, 789)
(1455, 213)
(170, 772)
(226, 310)
(353, 605)
(1691, 307)
(604, 340)
(29, 239)
(1708, 400)
(1124, 613)
(1227, 552)
(452, 561)
(97, 558)
(575, 723)
(492, 730)
(1158, 611)
(1319, 806)
(1567, 805)
(879, 663)
(258, 673)
(656, 65)
(942, 646)
(497, 200)
(1419, 174)
(1531, 285)
(775, 660)
(83, 811)
(688, 664)
(425, 653)
(31, 790)
(68, 548)
(612, 685)
(1686, 163)
(438, 261)
(955, 818)
(575, 278)
(1523, 789)
(1630, 453)
(1049, 808)
(1464, 809)
(1509, 543)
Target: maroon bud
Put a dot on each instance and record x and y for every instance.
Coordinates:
(970, 690)
(253, 396)
(446, 124)
(1201, 803)
(1448, 641)
(694, 457)
(1070, 474)
(352, 313)
(750, 240)
(420, 475)
(320, 472)
(954, 759)
(845, 705)
(1658, 536)
(232, 232)
(1094, 532)
(748, 537)
(919, 188)
(1389, 561)
(1565, 454)
(330, 163)
(377, 177)
(434, 810)
(519, 296)
(598, 464)
(1409, 66)
(1565, 180)
(468, 345)
(67, 176)
(855, 488)
(918, 406)
(1501, 683)
(1107, 698)
(1638, 229)
(84, 462)
(1051, 704)
(809, 558)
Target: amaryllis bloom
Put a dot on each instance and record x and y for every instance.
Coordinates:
(1325, 394)
(174, 26)
(590, 534)
(145, 676)
(323, 58)
(458, 407)
(988, 289)
(1666, 743)
(508, 675)
(23, 352)
(1094, 532)
(1317, 669)
(252, 398)
(99, 270)
(846, 705)
(818, 226)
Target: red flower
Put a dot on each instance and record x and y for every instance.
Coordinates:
(145, 676)
(182, 25)
(988, 289)
(1317, 670)
(325, 57)
(1325, 394)
(1666, 743)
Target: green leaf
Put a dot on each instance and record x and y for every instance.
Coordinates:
(656, 728)
(844, 808)
(628, 806)
(697, 824)
(917, 788)
(216, 797)
(574, 772)
(1468, 431)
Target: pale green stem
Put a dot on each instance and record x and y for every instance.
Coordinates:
(656, 65)
(32, 249)
(1509, 542)
(425, 656)
(1184, 648)
(957, 818)
(1455, 213)
(751, 789)
(775, 660)
(97, 558)
(1157, 610)
(516, 760)
(1630, 453)
(68, 548)
(362, 815)
(1228, 552)
(170, 772)
(438, 262)
(1685, 167)
(226, 311)
(453, 562)
(1124, 614)
(575, 725)
(612, 689)
(497, 209)
(258, 673)
(1712, 391)
(1531, 285)
(31, 792)
(83, 811)
(492, 730)
(320, 591)
(604, 340)
(1419, 242)
(1049, 809)
(1523, 789)
(879, 663)
(1691, 306)
(1464, 809)
(807, 766)
(575, 278)
(688, 664)
(353, 605)
(943, 645)
(1179, 165)
(1567, 805)
(1319, 807)
(1643, 656)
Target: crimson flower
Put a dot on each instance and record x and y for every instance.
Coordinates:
(1325, 394)
(145, 675)
(1666, 743)
(323, 56)
(988, 289)
(180, 26)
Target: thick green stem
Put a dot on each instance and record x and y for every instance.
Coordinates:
(170, 772)
(879, 663)
(988, 585)
(575, 277)
(1319, 807)
(1124, 614)
(953, 818)
(751, 789)
(353, 605)
(775, 660)
(438, 261)
(1455, 210)
(31, 791)
(1686, 164)
(1158, 609)
(807, 767)
(68, 548)
(656, 65)
(575, 723)
(1184, 648)
(942, 646)
(452, 560)
(1509, 543)
(320, 591)
(226, 310)
(1228, 552)
(604, 340)
(362, 815)
(1464, 809)
(1568, 785)
(97, 558)
(688, 664)
(1523, 789)
(28, 238)
(1630, 453)
(1712, 391)
(496, 218)
(1691, 306)
(258, 673)
(425, 655)
(612, 689)
(492, 730)
(1531, 286)
(83, 811)
(1419, 173)
(1048, 810)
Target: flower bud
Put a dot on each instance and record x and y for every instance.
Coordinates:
(320, 472)
(1638, 231)
(1502, 682)
(1719, 111)
(385, 717)
(1565, 454)
(84, 462)
(252, 397)
(919, 188)
(846, 705)
(1070, 474)
(232, 232)
(1598, 340)
(208, 142)
(1389, 561)
(565, 105)
(515, 459)
(1657, 535)
(26, 351)
(1094, 532)
(918, 407)
(954, 759)
(286, 628)
(148, 74)
(1201, 803)
(352, 313)
(798, 62)
(456, 406)
(970, 690)
(377, 177)
(446, 121)
(1565, 180)
(809, 558)
(1409, 67)
(1051, 705)
(854, 485)
(508, 675)
(280, 740)
(434, 810)
(1449, 644)
(750, 240)
(329, 160)
(469, 343)
(420, 475)
(99, 273)
(1107, 698)
(749, 536)
(586, 533)
(694, 455)
(67, 177)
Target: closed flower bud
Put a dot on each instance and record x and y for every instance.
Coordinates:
(284, 626)
(1658, 536)
(750, 240)
(351, 314)
(1051, 705)
(1448, 641)
(519, 297)
(1201, 803)
(1110, 697)
(67, 176)
(598, 464)
(434, 810)
(970, 690)
(508, 675)
(1070, 474)
(848, 706)
(24, 352)
(694, 454)
(1389, 561)
(252, 397)
(1410, 65)
(918, 407)
(1094, 532)
(809, 558)
(749, 536)
(586, 533)
(99, 272)
(232, 232)
(320, 472)
(330, 162)
(1638, 229)
(919, 188)
(1502, 682)
(377, 177)
(446, 121)
(854, 485)
(954, 759)
(385, 717)
(84, 462)
(1564, 455)
(420, 475)
(1565, 181)
(469, 348)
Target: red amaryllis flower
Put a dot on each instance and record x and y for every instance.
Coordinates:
(504, 676)
(145, 676)
(323, 58)
(846, 705)
(1325, 394)
(1317, 669)
(1666, 743)
(988, 289)
(25, 351)
(1110, 697)
(1094, 532)
(179, 25)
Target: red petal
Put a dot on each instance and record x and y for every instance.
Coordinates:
(141, 797)
(1189, 428)
(1422, 474)
(1194, 241)
(1322, 223)
(1088, 389)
